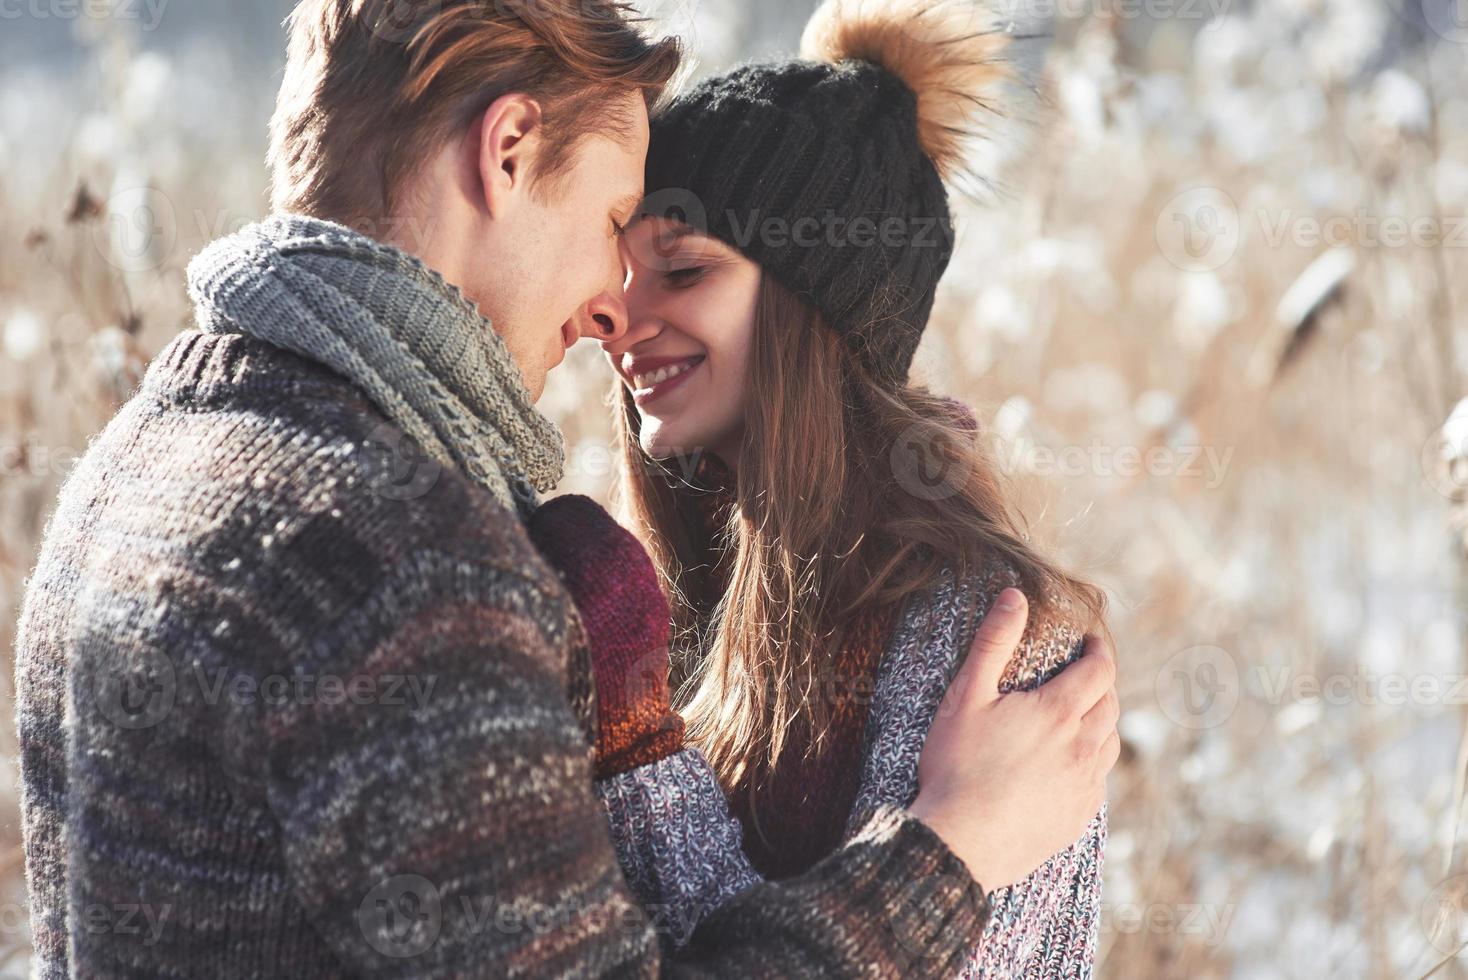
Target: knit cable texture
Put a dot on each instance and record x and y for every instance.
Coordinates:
(398, 330)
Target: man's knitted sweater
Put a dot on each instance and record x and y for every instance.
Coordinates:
(288, 708)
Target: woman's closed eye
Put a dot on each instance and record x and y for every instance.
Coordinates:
(682, 278)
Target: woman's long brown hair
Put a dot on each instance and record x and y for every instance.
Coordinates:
(832, 514)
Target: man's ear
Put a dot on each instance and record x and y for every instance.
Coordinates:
(509, 142)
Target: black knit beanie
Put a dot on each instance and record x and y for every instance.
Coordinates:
(823, 172)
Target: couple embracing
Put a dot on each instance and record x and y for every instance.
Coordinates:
(820, 715)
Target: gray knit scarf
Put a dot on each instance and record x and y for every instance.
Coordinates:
(407, 337)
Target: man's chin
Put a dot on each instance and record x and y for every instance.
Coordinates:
(533, 378)
(536, 378)
(538, 381)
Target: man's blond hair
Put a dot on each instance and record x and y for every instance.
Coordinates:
(373, 88)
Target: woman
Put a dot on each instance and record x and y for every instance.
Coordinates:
(830, 533)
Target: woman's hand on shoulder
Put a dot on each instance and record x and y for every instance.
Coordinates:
(1009, 779)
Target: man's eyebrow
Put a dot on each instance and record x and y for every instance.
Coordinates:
(623, 209)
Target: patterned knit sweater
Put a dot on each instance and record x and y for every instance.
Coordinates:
(285, 713)
(1045, 927)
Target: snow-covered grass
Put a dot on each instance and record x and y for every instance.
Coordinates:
(1214, 323)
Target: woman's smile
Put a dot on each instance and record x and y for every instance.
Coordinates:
(651, 381)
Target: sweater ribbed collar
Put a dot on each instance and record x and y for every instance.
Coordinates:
(415, 345)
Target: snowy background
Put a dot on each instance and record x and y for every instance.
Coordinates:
(1213, 319)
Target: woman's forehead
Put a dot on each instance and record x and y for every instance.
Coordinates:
(670, 237)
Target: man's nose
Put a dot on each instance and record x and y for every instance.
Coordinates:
(604, 318)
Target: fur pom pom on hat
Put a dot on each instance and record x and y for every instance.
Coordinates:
(829, 170)
(950, 53)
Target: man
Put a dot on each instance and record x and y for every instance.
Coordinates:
(297, 694)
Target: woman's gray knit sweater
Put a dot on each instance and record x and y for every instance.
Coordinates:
(295, 701)
(680, 847)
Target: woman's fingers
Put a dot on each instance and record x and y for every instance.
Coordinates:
(994, 645)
